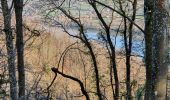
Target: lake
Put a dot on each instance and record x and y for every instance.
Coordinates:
(118, 41)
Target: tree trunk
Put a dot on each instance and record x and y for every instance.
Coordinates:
(112, 48)
(18, 5)
(148, 14)
(160, 45)
(96, 71)
(127, 35)
(128, 52)
(10, 50)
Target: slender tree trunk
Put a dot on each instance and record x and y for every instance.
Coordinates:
(113, 65)
(160, 45)
(18, 5)
(10, 49)
(88, 45)
(128, 45)
(128, 87)
(112, 48)
(129, 50)
(95, 66)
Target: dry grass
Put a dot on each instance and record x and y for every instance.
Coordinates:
(44, 53)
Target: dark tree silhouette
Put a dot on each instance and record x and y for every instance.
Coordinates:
(10, 49)
(18, 5)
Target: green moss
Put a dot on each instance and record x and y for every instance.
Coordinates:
(46, 69)
(139, 93)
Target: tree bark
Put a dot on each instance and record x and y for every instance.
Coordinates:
(18, 5)
(160, 48)
(10, 49)
(148, 14)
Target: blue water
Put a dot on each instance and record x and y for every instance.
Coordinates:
(94, 35)
(118, 41)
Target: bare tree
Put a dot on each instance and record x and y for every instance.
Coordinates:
(18, 5)
(128, 35)
(111, 47)
(10, 49)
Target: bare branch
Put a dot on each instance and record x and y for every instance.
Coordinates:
(121, 15)
(55, 70)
